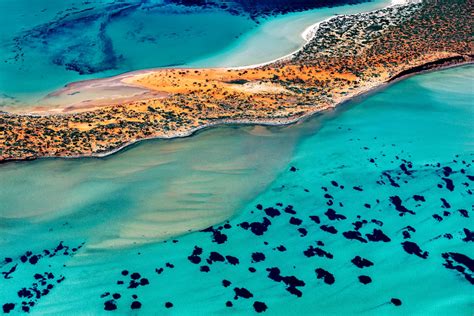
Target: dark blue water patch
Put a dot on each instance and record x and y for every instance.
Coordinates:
(261, 8)
(81, 39)
(461, 263)
(84, 47)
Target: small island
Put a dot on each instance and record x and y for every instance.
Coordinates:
(345, 56)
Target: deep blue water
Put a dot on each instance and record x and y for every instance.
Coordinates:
(370, 212)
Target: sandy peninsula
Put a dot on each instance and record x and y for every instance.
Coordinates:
(344, 57)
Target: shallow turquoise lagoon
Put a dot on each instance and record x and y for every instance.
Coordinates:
(352, 212)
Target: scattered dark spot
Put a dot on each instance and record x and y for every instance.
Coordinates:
(397, 202)
(259, 307)
(332, 215)
(258, 257)
(272, 212)
(8, 307)
(354, 235)
(242, 292)
(377, 235)
(326, 276)
(413, 249)
(461, 263)
(232, 260)
(360, 262)
(291, 282)
(419, 198)
(315, 219)
(329, 229)
(364, 279)
(295, 221)
(110, 305)
(396, 301)
(449, 184)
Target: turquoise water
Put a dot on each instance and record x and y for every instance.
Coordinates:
(392, 174)
(278, 36)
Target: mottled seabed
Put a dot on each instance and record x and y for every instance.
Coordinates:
(371, 214)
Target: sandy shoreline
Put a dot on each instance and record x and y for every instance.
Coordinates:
(282, 94)
(275, 122)
(309, 32)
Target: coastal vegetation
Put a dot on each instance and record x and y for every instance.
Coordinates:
(347, 56)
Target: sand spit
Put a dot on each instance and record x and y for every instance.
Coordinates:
(345, 57)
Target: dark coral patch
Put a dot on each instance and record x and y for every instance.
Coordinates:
(295, 221)
(332, 215)
(315, 219)
(461, 263)
(232, 260)
(360, 262)
(325, 275)
(110, 305)
(364, 279)
(329, 229)
(311, 252)
(195, 256)
(469, 235)
(396, 301)
(272, 212)
(289, 209)
(259, 307)
(303, 232)
(291, 282)
(354, 235)
(377, 235)
(217, 236)
(413, 249)
(215, 257)
(258, 257)
(258, 228)
(8, 307)
(449, 184)
(419, 198)
(242, 292)
(397, 202)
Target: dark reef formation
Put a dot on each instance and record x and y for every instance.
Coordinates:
(259, 8)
